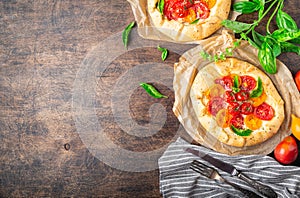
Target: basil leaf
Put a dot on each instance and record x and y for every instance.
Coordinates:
(164, 52)
(241, 132)
(267, 58)
(289, 47)
(152, 91)
(262, 7)
(196, 21)
(276, 49)
(296, 40)
(236, 26)
(258, 38)
(259, 89)
(282, 35)
(246, 7)
(126, 32)
(285, 21)
(160, 6)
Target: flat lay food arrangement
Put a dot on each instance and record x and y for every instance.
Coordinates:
(150, 98)
(234, 99)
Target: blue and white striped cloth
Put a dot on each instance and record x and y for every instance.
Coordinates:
(178, 180)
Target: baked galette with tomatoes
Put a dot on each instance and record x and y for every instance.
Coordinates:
(237, 103)
(188, 20)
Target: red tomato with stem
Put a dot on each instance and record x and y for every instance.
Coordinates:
(297, 79)
(286, 151)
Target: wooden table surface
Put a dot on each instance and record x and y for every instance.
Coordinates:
(58, 101)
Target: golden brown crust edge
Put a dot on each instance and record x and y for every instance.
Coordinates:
(226, 136)
(189, 32)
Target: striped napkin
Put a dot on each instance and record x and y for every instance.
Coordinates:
(178, 180)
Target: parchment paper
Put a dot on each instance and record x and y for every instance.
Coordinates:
(147, 30)
(186, 70)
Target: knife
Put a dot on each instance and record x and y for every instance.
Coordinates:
(264, 190)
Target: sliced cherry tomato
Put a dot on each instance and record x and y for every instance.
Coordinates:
(237, 121)
(216, 90)
(215, 105)
(222, 118)
(210, 3)
(259, 100)
(191, 17)
(226, 82)
(297, 79)
(264, 112)
(175, 9)
(246, 108)
(248, 83)
(201, 10)
(252, 122)
(229, 96)
(233, 108)
(242, 96)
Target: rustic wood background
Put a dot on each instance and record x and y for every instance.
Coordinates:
(42, 46)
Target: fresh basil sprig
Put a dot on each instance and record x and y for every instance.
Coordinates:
(126, 32)
(164, 52)
(284, 39)
(152, 91)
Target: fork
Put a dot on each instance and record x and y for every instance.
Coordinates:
(212, 173)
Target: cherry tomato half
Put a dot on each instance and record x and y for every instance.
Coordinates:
(175, 10)
(252, 122)
(295, 127)
(286, 151)
(242, 96)
(201, 10)
(233, 108)
(226, 82)
(264, 112)
(237, 121)
(248, 83)
(246, 108)
(229, 96)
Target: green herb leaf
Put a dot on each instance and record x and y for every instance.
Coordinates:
(267, 58)
(246, 7)
(236, 84)
(160, 6)
(289, 47)
(236, 26)
(259, 89)
(164, 52)
(126, 32)
(196, 21)
(257, 38)
(241, 132)
(285, 21)
(152, 91)
(282, 35)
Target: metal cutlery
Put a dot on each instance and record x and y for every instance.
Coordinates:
(261, 188)
(212, 173)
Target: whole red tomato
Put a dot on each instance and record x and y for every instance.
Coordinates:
(286, 151)
(297, 79)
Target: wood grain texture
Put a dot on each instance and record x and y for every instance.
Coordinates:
(42, 46)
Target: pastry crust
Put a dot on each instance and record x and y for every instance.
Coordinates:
(205, 79)
(182, 31)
